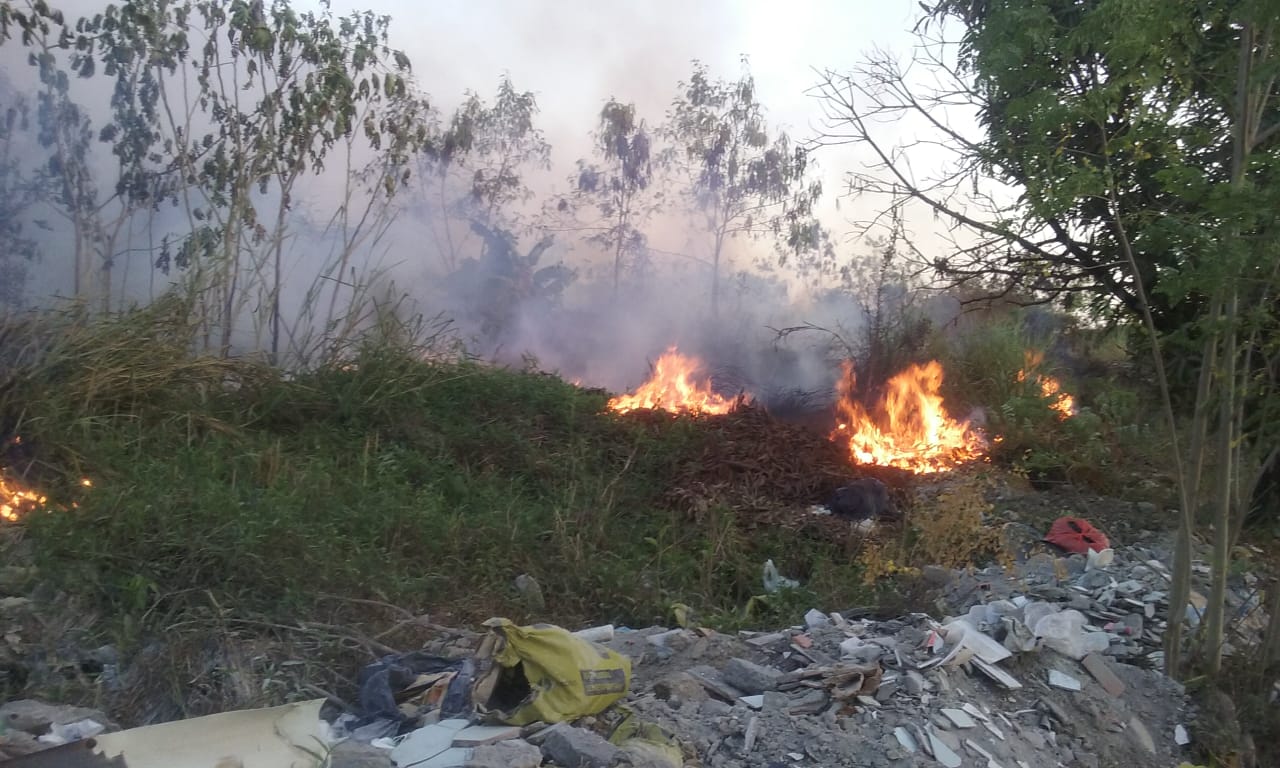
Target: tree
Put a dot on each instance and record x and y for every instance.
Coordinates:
(479, 165)
(742, 180)
(18, 194)
(616, 186)
(1138, 144)
(218, 109)
(502, 281)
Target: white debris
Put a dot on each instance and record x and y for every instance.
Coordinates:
(1064, 681)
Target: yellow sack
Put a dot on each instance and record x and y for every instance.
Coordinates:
(647, 738)
(545, 673)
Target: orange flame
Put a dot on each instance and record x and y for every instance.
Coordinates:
(674, 386)
(910, 427)
(1050, 388)
(16, 500)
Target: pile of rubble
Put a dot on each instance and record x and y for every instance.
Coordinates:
(1051, 662)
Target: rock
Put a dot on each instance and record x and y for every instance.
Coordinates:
(1141, 735)
(579, 748)
(514, 753)
(530, 592)
(36, 717)
(715, 708)
(14, 744)
(935, 575)
(775, 701)
(1102, 672)
(749, 677)
(914, 682)
(13, 604)
(1094, 580)
(864, 499)
(1079, 602)
(680, 685)
(353, 754)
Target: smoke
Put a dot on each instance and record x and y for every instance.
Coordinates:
(573, 55)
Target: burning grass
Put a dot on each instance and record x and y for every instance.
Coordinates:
(677, 384)
(429, 485)
(230, 497)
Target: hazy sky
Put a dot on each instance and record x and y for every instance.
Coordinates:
(576, 54)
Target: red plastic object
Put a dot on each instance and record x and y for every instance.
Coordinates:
(1076, 535)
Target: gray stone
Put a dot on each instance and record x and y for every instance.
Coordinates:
(914, 682)
(681, 685)
(506, 754)
(530, 592)
(715, 708)
(1080, 602)
(36, 716)
(1094, 579)
(775, 701)
(749, 677)
(354, 754)
(935, 575)
(1141, 735)
(579, 748)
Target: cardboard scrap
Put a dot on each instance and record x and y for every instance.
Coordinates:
(290, 735)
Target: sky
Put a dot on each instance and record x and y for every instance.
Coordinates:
(576, 54)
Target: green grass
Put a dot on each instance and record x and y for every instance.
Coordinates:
(1115, 443)
(428, 485)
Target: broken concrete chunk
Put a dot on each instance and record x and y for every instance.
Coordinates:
(36, 717)
(353, 754)
(753, 732)
(1064, 681)
(580, 748)
(755, 702)
(959, 718)
(943, 753)
(749, 677)
(715, 684)
(427, 742)
(541, 734)
(681, 686)
(506, 754)
(476, 735)
(905, 738)
(1101, 670)
(995, 673)
(915, 683)
(764, 641)
(1141, 736)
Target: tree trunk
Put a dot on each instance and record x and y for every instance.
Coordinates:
(1215, 619)
(1180, 586)
(715, 276)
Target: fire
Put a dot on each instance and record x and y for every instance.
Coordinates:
(675, 386)
(1050, 388)
(909, 428)
(16, 500)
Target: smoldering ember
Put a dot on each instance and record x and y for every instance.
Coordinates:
(595, 384)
